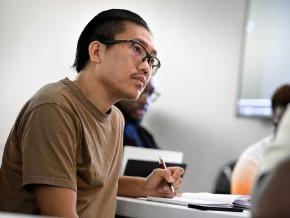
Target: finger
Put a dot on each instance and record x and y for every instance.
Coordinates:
(166, 191)
(164, 174)
(178, 194)
(178, 183)
(177, 187)
(176, 172)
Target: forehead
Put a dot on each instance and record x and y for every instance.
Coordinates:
(140, 34)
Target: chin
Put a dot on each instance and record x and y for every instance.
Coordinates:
(132, 96)
(129, 92)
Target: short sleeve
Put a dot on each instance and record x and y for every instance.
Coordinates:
(243, 176)
(48, 140)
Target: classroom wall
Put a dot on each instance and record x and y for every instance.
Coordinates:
(199, 43)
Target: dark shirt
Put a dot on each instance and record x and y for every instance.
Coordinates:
(136, 135)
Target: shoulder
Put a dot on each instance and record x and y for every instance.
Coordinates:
(253, 156)
(258, 148)
(51, 93)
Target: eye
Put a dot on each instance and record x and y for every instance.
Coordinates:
(152, 61)
(137, 49)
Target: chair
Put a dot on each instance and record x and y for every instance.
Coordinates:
(223, 181)
(138, 161)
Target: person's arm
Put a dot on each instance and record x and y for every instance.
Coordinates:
(156, 184)
(55, 201)
(243, 177)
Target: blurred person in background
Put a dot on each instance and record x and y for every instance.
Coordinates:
(249, 162)
(271, 191)
(134, 133)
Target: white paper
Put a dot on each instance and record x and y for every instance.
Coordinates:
(198, 198)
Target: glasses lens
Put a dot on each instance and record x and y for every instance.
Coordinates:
(139, 54)
(155, 65)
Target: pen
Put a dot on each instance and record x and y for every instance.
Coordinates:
(162, 165)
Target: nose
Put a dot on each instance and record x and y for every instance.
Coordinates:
(145, 68)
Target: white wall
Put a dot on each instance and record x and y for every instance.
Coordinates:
(199, 46)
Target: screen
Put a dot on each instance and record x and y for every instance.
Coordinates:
(265, 63)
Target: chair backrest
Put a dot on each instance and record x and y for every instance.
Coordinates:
(223, 180)
(143, 168)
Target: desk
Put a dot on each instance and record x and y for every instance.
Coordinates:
(139, 208)
(18, 215)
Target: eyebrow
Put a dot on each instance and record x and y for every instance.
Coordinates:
(154, 52)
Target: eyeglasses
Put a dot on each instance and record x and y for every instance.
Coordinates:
(153, 96)
(138, 53)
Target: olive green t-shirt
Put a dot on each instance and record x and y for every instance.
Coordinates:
(61, 139)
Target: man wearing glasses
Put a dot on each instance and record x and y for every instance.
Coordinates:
(63, 155)
(134, 133)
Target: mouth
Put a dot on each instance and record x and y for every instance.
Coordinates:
(141, 80)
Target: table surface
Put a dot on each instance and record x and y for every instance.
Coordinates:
(136, 207)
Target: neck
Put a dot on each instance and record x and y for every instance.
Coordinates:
(94, 91)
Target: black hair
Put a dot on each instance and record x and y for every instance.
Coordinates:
(104, 26)
(281, 97)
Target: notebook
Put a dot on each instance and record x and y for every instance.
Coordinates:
(200, 198)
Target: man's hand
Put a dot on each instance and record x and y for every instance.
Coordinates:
(156, 184)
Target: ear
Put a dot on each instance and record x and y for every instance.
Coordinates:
(94, 51)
